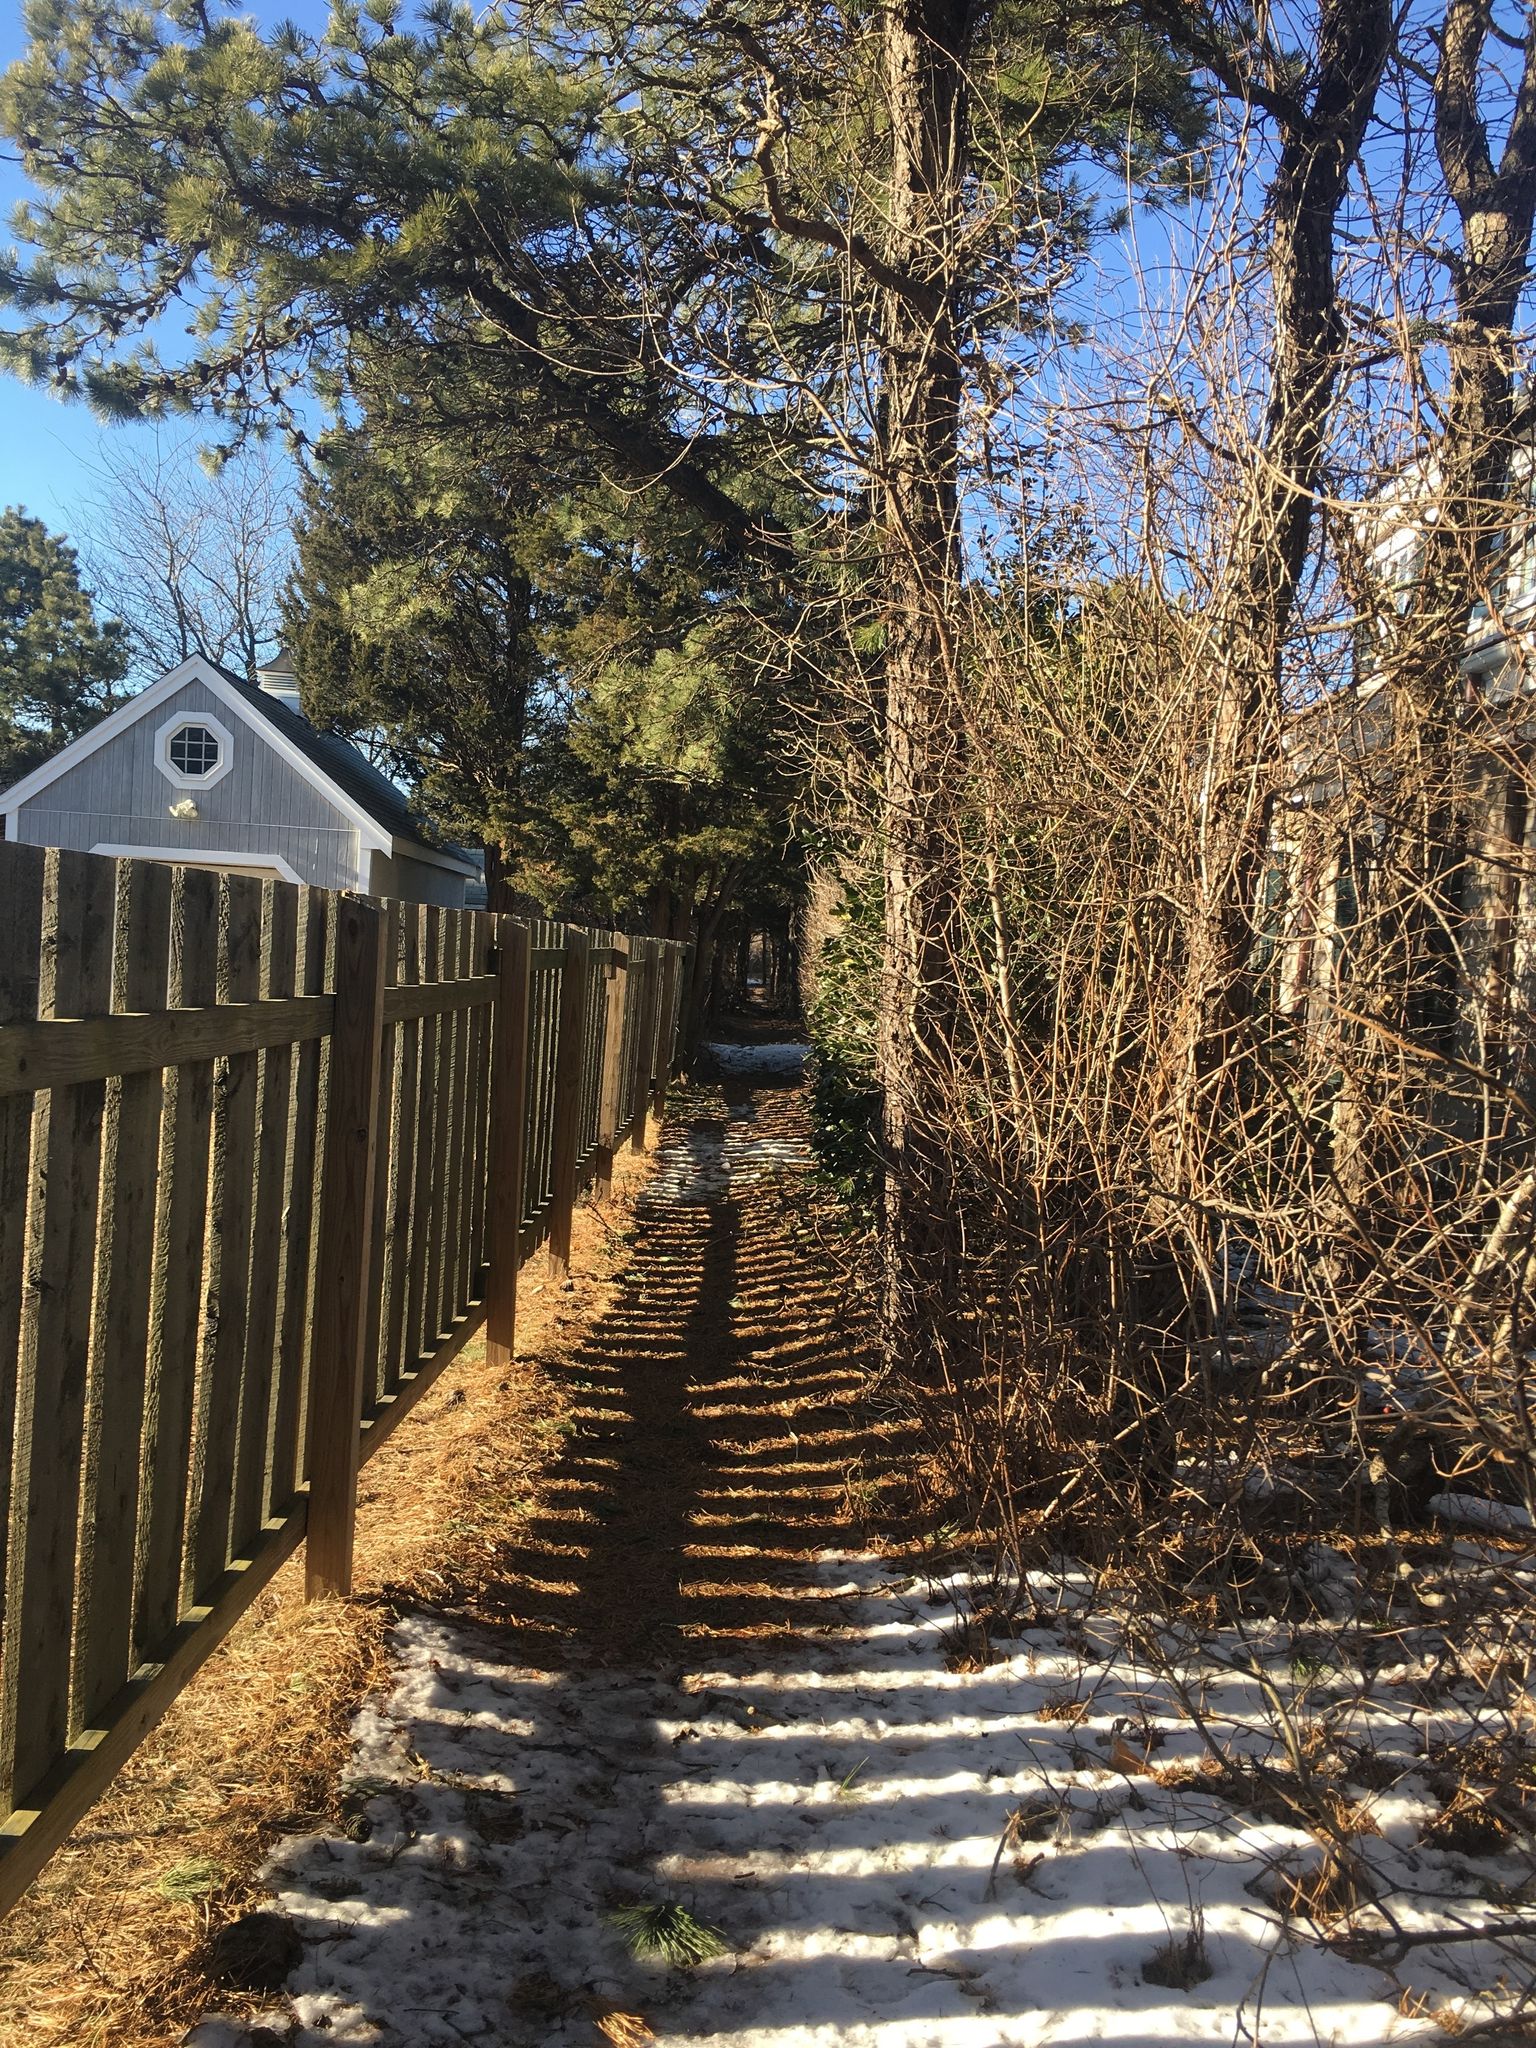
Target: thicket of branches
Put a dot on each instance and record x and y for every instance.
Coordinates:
(1184, 971)
(1230, 1067)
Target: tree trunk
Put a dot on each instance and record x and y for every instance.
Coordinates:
(1320, 144)
(926, 46)
(498, 879)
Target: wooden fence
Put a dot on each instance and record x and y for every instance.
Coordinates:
(268, 1157)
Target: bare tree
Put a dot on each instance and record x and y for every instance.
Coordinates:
(1494, 202)
(191, 559)
(1320, 117)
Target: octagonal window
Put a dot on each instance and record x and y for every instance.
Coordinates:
(194, 750)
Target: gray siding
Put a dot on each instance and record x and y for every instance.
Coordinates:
(416, 881)
(118, 797)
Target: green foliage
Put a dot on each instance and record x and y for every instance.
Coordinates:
(187, 1884)
(59, 669)
(845, 1090)
(667, 794)
(574, 679)
(670, 1933)
(414, 619)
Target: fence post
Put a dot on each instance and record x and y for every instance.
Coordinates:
(507, 1163)
(616, 990)
(567, 1133)
(645, 1055)
(342, 1276)
(665, 1033)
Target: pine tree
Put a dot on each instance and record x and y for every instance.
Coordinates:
(59, 669)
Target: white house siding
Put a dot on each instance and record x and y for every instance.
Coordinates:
(118, 797)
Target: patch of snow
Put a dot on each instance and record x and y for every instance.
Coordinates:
(1501, 1517)
(714, 1158)
(773, 1060)
(838, 1810)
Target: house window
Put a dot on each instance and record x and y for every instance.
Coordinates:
(194, 751)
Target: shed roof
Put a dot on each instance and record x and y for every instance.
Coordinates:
(344, 764)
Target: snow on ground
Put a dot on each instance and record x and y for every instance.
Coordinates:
(897, 1853)
(840, 1813)
(772, 1060)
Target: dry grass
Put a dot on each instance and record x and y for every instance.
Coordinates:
(111, 1948)
(1182, 1962)
(1327, 1889)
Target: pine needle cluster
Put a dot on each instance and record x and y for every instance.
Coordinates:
(669, 1932)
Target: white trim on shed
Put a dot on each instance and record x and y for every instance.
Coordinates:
(182, 721)
(206, 857)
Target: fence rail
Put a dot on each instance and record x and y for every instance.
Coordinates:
(269, 1156)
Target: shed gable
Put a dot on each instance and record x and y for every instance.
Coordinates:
(118, 796)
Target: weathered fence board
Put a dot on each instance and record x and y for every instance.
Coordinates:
(376, 1364)
(508, 1138)
(231, 1208)
(344, 1279)
(176, 1294)
(51, 1054)
(611, 1071)
(663, 1037)
(566, 1115)
(449, 1303)
(56, 1332)
(480, 1097)
(304, 1149)
(645, 1046)
(396, 1273)
(442, 952)
(120, 1339)
(268, 1159)
(279, 963)
(429, 956)
(21, 953)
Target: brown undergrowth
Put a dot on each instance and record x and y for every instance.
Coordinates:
(112, 1947)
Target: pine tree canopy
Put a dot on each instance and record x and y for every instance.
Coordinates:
(645, 231)
(58, 667)
(576, 681)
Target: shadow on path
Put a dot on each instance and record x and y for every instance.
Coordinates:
(713, 1432)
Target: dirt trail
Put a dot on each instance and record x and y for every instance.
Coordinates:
(713, 1430)
(514, 1789)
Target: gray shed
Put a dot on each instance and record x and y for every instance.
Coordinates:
(207, 769)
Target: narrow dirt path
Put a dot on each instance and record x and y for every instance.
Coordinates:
(713, 1431)
(516, 1789)
(684, 1688)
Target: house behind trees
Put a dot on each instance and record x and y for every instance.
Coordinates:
(1355, 783)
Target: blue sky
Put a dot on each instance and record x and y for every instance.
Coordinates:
(48, 448)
